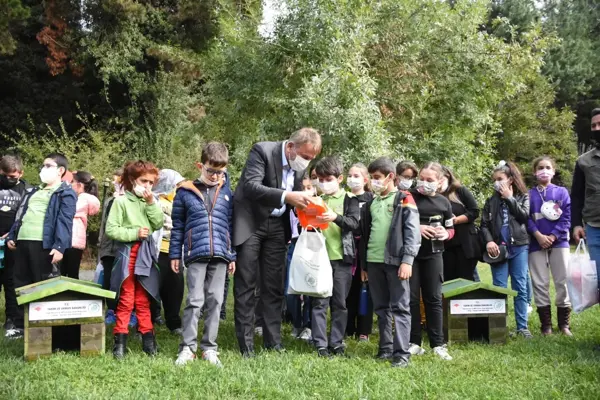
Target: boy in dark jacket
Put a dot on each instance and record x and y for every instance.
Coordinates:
(342, 215)
(390, 241)
(42, 229)
(12, 190)
(202, 220)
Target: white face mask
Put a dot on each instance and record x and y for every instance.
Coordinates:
(139, 190)
(207, 181)
(314, 182)
(405, 184)
(299, 163)
(427, 188)
(329, 187)
(355, 183)
(378, 185)
(49, 175)
(497, 184)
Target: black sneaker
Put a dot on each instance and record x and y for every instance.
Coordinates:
(9, 324)
(339, 351)
(399, 362)
(324, 352)
(14, 334)
(278, 348)
(525, 333)
(384, 355)
(159, 321)
(248, 353)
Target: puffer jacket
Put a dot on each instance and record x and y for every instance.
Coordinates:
(87, 204)
(491, 219)
(198, 232)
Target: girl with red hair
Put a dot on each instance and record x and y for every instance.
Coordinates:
(135, 275)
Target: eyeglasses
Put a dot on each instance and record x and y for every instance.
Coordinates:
(47, 165)
(217, 172)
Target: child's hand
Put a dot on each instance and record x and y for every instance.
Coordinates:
(57, 256)
(428, 232)
(544, 241)
(11, 245)
(328, 216)
(175, 266)
(143, 233)
(441, 233)
(148, 196)
(506, 191)
(404, 272)
(364, 276)
(231, 268)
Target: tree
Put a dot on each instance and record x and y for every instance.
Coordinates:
(12, 12)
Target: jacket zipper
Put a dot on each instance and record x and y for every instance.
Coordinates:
(210, 232)
(189, 242)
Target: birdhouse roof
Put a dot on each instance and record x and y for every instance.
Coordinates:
(457, 287)
(40, 290)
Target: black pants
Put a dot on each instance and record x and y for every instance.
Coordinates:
(264, 252)
(358, 324)
(171, 293)
(457, 265)
(32, 264)
(427, 278)
(69, 266)
(107, 263)
(7, 282)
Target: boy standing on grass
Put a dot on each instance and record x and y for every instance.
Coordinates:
(390, 241)
(342, 215)
(42, 230)
(12, 190)
(202, 220)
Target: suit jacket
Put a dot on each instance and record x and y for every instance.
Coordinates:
(259, 191)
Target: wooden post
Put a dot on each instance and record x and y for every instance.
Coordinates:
(38, 341)
(92, 339)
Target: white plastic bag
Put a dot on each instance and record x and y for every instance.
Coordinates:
(310, 269)
(582, 279)
(99, 273)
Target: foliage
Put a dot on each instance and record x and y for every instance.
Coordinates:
(11, 12)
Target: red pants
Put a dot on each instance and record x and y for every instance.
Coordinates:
(133, 295)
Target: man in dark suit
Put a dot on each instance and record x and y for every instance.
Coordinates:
(268, 189)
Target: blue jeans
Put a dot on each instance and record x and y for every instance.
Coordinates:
(517, 268)
(300, 315)
(593, 243)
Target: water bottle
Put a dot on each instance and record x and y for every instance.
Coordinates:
(363, 302)
(437, 246)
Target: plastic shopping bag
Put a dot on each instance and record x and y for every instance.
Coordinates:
(99, 274)
(582, 279)
(310, 269)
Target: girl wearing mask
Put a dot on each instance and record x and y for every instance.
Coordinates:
(406, 172)
(358, 325)
(135, 276)
(504, 228)
(435, 213)
(549, 224)
(463, 251)
(86, 188)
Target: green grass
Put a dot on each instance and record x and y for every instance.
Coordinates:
(543, 368)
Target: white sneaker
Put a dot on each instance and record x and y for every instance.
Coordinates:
(415, 349)
(306, 334)
(529, 309)
(14, 334)
(296, 332)
(258, 331)
(212, 357)
(442, 352)
(185, 356)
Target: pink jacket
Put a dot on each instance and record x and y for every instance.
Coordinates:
(87, 204)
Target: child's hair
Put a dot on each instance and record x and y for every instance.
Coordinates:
(90, 185)
(11, 163)
(364, 172)
(383, 164)
(453, 185)
(60, 160)
(329, 166)
(512, 171)
(215, 154)
(312, 167)
(543, 158)
(435, 166)
(119, 172)
(134, 169)
(404, 165)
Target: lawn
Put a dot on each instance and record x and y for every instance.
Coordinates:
(543, 368)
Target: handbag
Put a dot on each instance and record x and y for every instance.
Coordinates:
(310, 269)
(498, 259)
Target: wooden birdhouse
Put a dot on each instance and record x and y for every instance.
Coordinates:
(63, 313)
(475, 311)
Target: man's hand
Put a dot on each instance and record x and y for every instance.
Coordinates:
(578, 233)
(364, 276)
(428, 232)
(57, 256)
(175, 266)
(143, 233)
(405, 271)
(328, 216)
(148, 196)
(11, 245)
(298, 199)
(231, 268)
(492, 249)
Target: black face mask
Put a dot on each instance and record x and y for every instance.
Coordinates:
(595, 138)
(8, 183)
